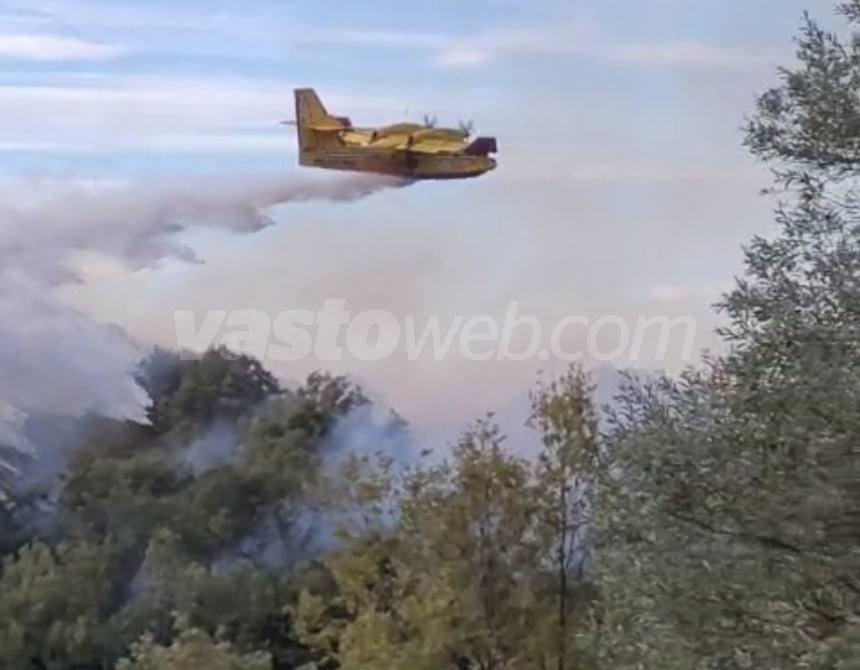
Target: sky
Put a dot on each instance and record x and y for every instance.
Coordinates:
(622, 186)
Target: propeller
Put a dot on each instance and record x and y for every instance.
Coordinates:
(468, 127)
(429, 121)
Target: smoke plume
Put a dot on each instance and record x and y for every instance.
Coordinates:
(54, 360)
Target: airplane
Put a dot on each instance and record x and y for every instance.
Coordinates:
(409, 150)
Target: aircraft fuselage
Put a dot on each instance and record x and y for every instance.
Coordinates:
(407, 150)
(400, 164)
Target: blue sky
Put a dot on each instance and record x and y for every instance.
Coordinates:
(622, 185)
(109, 86)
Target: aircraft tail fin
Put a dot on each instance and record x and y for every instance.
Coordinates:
(317, 128)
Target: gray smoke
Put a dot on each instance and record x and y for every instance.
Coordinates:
(368, 431)
(54, 360)
(45, 225)
(218, 447)
(292, 531)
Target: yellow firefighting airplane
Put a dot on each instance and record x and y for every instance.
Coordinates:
(408, 150)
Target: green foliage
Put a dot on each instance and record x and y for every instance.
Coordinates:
(187, 393)
(727, 520)
(244, 605)
(811, 122)
(192, 650)
(563, 413)
(51, 601)
(455, 565)
(150, 527)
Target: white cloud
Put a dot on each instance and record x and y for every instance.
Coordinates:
(692, 54)
(482, 51)
(160, 115)
(259, 143)
(535, 164)
(451, 50)
(457, 57)
(446, 50)
(53, 48)
(381, 38)
(674, 293)
(113, 14)
(574, 39)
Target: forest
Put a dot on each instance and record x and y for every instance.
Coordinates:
(708, 520)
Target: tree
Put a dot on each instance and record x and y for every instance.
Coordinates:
(189, 394)
(142, 525)
(729, 513)
(442, 576)
(566, 420)
(323, 399)
(160, 375)
(471, 564)
(809, 125)
(51, 601)
(240, 604)
(192, 650)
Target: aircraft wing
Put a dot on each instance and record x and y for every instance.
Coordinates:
(392, 142)
(426, 146)
(482, 146)
(434, 146)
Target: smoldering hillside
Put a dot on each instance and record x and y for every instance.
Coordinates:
(224, 491)
(155, 470)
